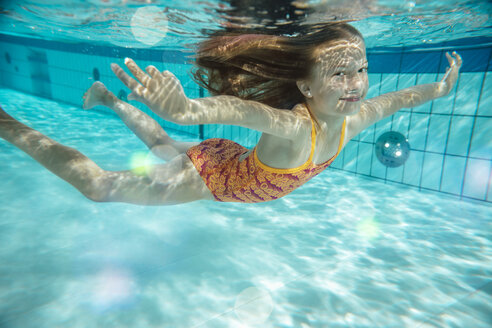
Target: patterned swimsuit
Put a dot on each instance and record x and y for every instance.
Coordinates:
(249, 180)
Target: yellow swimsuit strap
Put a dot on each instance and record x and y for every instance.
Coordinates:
(313, 142)
(311, 155)
(313, 138)
(295, 169)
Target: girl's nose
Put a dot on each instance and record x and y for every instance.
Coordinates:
(355, 84)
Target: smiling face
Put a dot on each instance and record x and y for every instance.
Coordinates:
(338, 81)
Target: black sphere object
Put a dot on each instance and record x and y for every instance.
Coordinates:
(392, 149)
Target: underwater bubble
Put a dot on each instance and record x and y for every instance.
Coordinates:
(253, 306)
(149, 25)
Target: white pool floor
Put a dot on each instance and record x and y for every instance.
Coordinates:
(342, 251)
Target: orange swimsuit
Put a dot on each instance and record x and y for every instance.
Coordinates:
(249, 180)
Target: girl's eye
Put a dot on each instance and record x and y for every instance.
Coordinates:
(339, 74)
(363, 70)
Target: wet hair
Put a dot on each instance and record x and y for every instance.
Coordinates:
(264, 67)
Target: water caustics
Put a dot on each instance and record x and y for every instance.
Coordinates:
(173, 25)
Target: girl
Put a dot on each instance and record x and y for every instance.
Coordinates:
(305, 93)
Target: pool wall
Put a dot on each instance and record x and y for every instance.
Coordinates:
(450, 138)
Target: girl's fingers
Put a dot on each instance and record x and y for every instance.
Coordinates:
(132, 96)
(455, 59)
(450, 59)
(125, 78)
(137, 72)
(153, 72)
(458, 57)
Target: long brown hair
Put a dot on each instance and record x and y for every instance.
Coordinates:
(264, 67)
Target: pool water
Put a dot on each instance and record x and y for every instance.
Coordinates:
(341, 251)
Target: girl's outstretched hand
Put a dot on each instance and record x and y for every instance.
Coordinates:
(449, 80)
(161, 92)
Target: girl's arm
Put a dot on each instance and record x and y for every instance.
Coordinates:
(375, 109)
(164, 95)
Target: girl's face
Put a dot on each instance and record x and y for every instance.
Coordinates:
(338, 82)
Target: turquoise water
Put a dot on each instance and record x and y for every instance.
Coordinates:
(384, 23)
(342, 251)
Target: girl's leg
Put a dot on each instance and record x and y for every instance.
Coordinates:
(145, 127)
(171, 183)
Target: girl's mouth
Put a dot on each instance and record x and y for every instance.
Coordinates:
(351, 99)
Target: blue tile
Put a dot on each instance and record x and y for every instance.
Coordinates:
(443, 105)
(431, 171)
(16, 52)
(383, 126)
(485, 106)
(406, 81)
(227, 132)
(193, 129)
(364, 158)
(425, 78)
(459, 135)
(367, 134)
(61, 93)
(217, 131)
(474, 60)
(235, 134)
(384, 63)
(481, 144)
(389, 83)
(438, 132)
(452, 175)
(206, 131)
(378, 170)
(467, 95)
(426, 62)
(395, 174)
(338, 162)
(57, 75)
(418, 130)
(172, 126)
(192, 93)
(374, 85)
(489, 192)
(253, 138)
(22, 83)
(400, 122)
(413, 168)
(7, 68)
(350, 156)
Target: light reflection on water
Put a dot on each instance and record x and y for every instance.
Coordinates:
(341, 251)
(388, 23)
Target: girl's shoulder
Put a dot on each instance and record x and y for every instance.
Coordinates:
(302, 112)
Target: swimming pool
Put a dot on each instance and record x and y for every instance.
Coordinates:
(343, 251)
(361, 245)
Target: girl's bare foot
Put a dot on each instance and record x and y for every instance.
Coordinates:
(98, 94)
